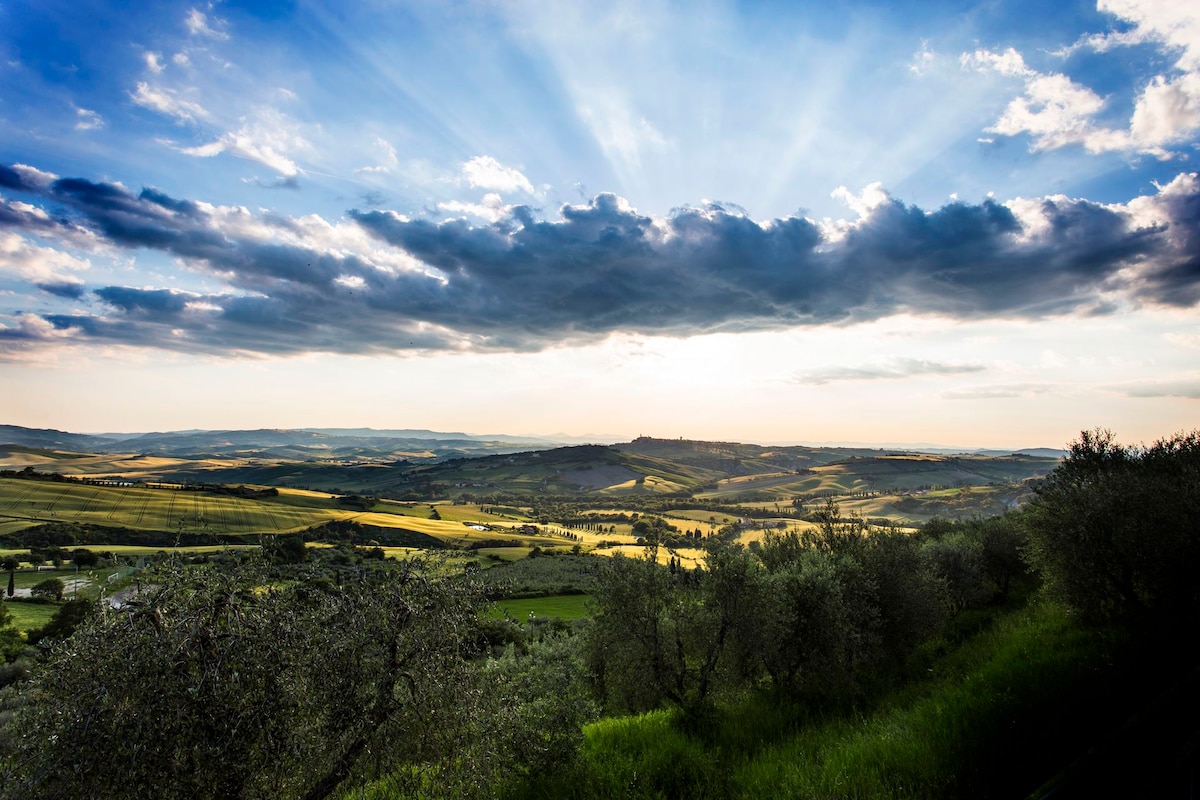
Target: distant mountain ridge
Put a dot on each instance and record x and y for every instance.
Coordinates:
(343, 442)
(387, 433)
(326, 444)
(51, 439)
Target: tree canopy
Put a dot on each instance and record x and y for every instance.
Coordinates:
(1115, 529)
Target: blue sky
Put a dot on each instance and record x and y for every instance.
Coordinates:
(963, 223)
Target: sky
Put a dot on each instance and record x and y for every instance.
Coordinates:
(956, 223)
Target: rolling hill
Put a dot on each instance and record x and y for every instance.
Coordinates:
(389, 465)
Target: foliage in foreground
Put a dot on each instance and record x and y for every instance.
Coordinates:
(219, 684)
(1116, 529)
(992, 719)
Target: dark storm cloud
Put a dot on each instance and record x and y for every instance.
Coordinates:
(11, 179)
(150, 219)
(1177, 282)
(149, 303)
(524, 283)
(65, 289)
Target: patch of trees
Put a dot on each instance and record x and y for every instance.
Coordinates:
(49, 589)
(247, 492)
(806, 612)
(31, 474)
(357, 502)
(64, 622)
(480, 544)
(562, 574)
(336, 531)
(652, 529)
(415, 488)
(556, 508)
(1115, 530)
(69, 534)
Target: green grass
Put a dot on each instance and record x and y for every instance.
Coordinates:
(993, 718)
(151, 509)
(27, 616)
(506, 554)
(966, 732)
(14, 525)
(28, 578)
(563, 606)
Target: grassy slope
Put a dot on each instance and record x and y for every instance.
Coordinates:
(151, 509)
(995, 718)
(27, 616)
(24, 503)
(886, 473)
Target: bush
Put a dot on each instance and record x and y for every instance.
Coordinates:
(1116, 529)
(50, 589)
(64, 622)
(540, 703)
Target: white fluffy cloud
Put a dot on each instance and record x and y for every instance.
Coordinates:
(1175, 24)
(87, 120)
(491, 208)
(167, 101)
(388, 160)
(271, 140)
(1057, 112)
(37, 264)
(485, 172)
(1009, 62)
(199, 24)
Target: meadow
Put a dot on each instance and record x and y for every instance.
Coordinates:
(193, 515)
(560, 606)
(24, 503)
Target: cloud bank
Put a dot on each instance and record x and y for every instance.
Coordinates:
(378, 281)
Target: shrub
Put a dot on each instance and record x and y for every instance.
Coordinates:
(1116, 529)
(50, 589)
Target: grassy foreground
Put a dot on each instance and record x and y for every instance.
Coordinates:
(996, 717)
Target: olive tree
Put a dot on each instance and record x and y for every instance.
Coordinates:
(844, 597)
(1115, 529)
(816, 623)
(658, 636)
(224, 684)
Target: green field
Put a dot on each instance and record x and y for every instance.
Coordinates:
(26, 502)
(889, 473)
(27, 616)
(563, 606)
